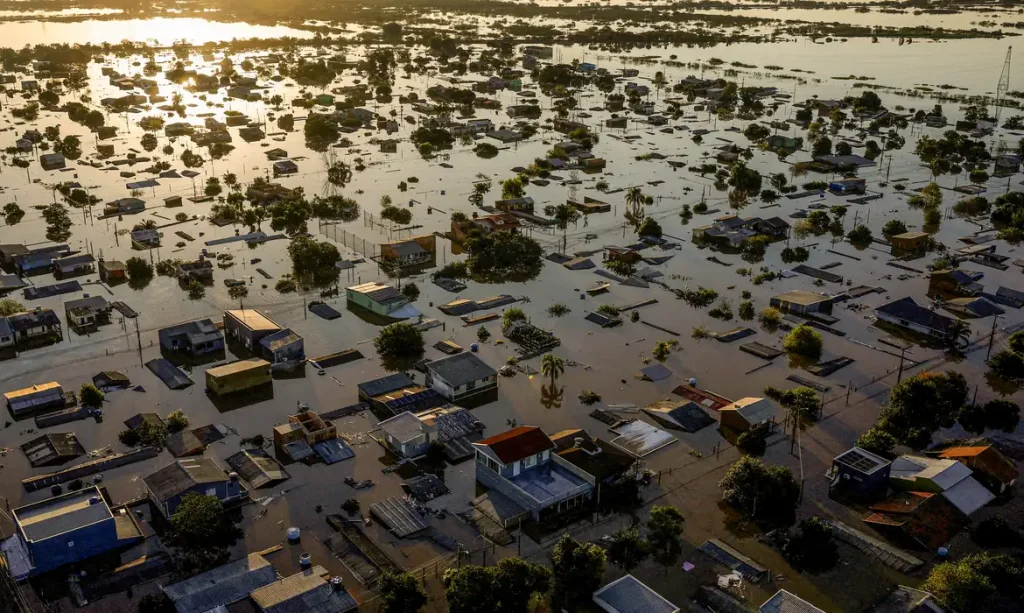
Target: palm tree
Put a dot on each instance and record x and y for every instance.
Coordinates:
(958, 335)
(635, 201)
(552, 366)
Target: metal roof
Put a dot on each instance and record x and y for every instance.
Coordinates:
(862, 460)
(460, 369)
(786, 602)
(304, 592)
(630, 595)
(280, 339)
(403, 427)
(256, 468)
(178, 477)
(62, 514)
(221, 586)
(385, 385)
(378, 292)
(252, 319)
(237, 367)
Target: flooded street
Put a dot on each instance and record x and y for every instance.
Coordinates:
(663, 160)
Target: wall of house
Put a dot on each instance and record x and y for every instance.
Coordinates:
(909, 325)
(366, 302)
(73, 546)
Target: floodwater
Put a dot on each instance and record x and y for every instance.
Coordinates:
(605, 360)
(160, 31)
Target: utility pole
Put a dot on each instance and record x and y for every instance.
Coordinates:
(991, 337)
(899, 375)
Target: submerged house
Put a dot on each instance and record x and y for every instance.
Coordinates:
(193, 338)
(87, 313)
(521, 465)
(37, 325)
(859, 472)
(65, 530)
(248, 327)
(990, 467)
(944, 476)
(283, 348)
(462, 378)
(168, 486)
(907, 314)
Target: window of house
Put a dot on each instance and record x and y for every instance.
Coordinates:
(211, 491)
(530, 461)
(470, 385)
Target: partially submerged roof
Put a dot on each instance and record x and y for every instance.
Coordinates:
(256, 468)
(460, 369)
(237, 367)
(62, 514)
(517, 443)
(280, 339)
(907, 309)
(802, 297)
(640, 438)
(178, 477)
(221, 586)
(629, 595)
(386, 385)
(685, 415)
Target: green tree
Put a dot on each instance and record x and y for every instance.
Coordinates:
(411, 291)
(58, 222)
(802, 401)
(635, 201)
(664, 527)
(578, 570)
(920, 405)
(313, 262)
(878, 441)
(399, 593)
(972, 582)
(813, 548)
(662, 349)
(628, 549)
(516, 581)
(200, 535)
(511, 316)
(176, 421)
(470, 589)
(9, 307)
(894, 227)
(552, 366)
(958, 336)
(761, 491)
(803, 341)
(90, 396)
(399, 341)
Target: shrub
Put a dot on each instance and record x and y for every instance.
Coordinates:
(803, 341)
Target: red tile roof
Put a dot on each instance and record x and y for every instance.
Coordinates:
(518, 443)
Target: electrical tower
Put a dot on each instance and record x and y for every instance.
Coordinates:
(1004, 84)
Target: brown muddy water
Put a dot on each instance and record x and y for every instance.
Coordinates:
(606, 359)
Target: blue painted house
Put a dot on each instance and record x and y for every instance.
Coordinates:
(193, 338)
(168, 486)
(65, 530)
(521, 465)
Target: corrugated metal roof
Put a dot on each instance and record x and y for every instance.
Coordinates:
(786, 602)
(221, 586)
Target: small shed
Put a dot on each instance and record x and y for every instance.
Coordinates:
(256, 468)
(238, 376)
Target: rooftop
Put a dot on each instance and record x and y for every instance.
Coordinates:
(386, 385)
(630, 595)
(907, 309)
(802, 298)
(221, 586)
(786, 602)
(460, 369)
(252, 319)
(62, 514)
(280, 339)
(754, 410)
(237, 367)
(944, 473)
(378, 292)
(862, 460)
(549, 483)
(517, 443)
(178, 477)
(304, 592)
(403, 427)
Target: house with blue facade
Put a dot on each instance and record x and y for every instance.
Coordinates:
(168, 486)
(193, 338)
(859, 473)
(521, 465)
(66, 530)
